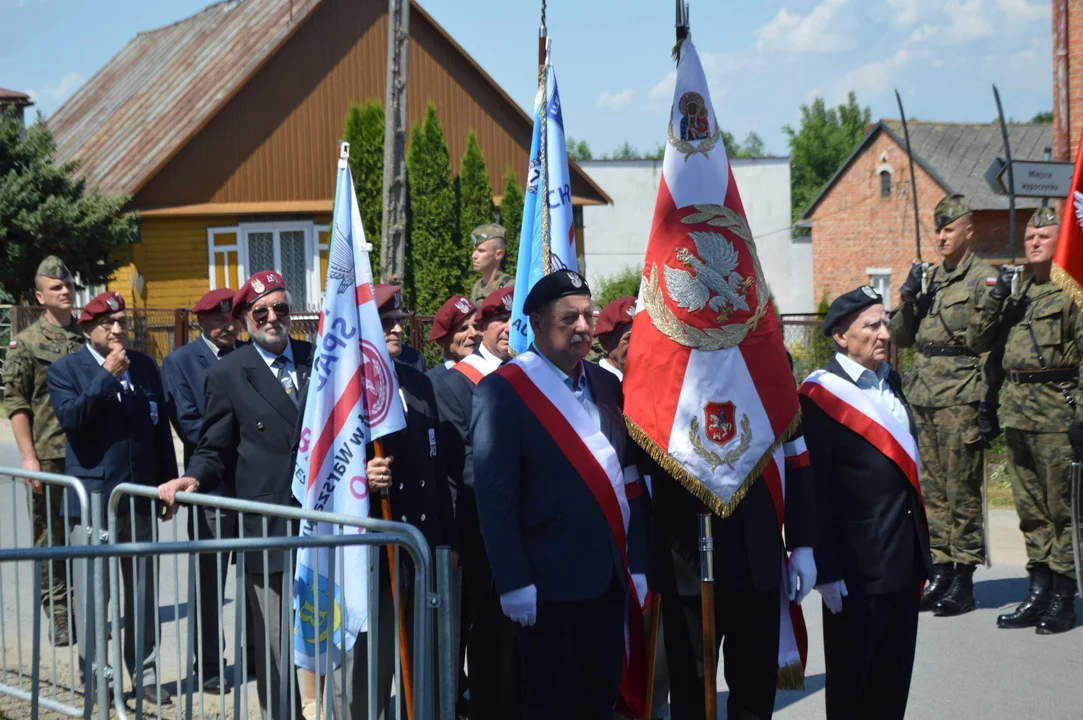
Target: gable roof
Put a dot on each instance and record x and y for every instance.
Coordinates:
(148, 102)
(13, 97)
(956, 156)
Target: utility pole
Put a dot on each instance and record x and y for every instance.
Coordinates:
(392, 248)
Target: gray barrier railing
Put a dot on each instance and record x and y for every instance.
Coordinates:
(151, 550)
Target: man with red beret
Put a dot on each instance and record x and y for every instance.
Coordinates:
(253, 404)
(184, 372)
(495, 679)
(412, 473)
(613, 331)
(455, 329)
(111, 404)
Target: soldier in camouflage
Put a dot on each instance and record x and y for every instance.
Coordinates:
(38, 435)
(946, 385)
(1041, 333)
(487, 260)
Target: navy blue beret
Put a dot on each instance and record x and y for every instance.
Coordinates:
(851, 302)
(554, 286)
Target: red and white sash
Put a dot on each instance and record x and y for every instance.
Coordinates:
(844, 402)
(475, 366)
(595, 460)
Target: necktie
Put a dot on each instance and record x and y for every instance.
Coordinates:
(284, 378)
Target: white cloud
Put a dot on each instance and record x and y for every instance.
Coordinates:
(871, 78)
(922, 33)
(1023, 11)
(823, 30)
(67, 85)
(970, 21)
(903, 12)
(616, 101)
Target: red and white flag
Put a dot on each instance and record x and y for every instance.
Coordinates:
(708, 387)
(1067, 270)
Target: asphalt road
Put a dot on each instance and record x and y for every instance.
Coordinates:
(965, 668)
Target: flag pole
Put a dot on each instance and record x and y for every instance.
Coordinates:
(706, 596)
(652, 650)
(404, 649)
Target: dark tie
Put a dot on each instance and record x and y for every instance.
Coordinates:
(225, 351)
(284, 378)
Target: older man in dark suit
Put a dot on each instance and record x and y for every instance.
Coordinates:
(251, 426)
(563, 534)
(455, 330)
(110, 403)
(873, 550)
(184, 373)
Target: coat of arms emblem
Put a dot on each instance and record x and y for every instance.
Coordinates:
(257, 285)
(720, 426)
(718, 422)
(506, 302)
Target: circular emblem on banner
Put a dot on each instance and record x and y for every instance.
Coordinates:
(376, 376)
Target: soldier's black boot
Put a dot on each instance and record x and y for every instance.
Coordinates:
(1060, 617)
(959, 598)
(1030, 611)
(943, 574)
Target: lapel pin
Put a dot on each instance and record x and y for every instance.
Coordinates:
(259, 425)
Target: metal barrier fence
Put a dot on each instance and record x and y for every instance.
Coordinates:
(146, 658)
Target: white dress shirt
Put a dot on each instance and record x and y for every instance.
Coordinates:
(606, 365)
(492, 362)
(875, 387)
(579, 387)
(125, 379)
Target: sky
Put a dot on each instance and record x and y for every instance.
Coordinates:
(763, 58)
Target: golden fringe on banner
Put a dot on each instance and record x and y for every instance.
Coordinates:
(691, 483)
(791, 677)
(1068, 284)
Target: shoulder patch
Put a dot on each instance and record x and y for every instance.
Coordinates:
(13, 344)
(990, 281)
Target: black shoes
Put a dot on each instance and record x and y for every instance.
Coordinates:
(1030, 611)
(959, 598)
(938, 585)
(215, 685)
(1060, 616)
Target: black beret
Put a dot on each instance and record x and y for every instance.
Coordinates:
(851, 302)
(554, 286)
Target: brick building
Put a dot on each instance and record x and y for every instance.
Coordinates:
(1067, 78)
(863, 219)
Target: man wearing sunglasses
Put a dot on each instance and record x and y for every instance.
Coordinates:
(109, 400)
(253, 402)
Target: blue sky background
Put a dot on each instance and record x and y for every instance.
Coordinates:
(763, 58)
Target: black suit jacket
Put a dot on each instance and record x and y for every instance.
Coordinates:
(249, 437)
(540, 523)
(872, 526)
(419, 489)
(114, 436)
(436, 371)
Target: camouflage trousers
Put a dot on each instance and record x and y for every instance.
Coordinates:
(51, 533)
(951, 480)
(1039, 465)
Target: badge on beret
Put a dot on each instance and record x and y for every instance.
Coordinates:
(257, 285)
(225, 305)
(631, 311)
(112, 303)
(463, 305)
(506, 301)
(870, 292)
(575, 279)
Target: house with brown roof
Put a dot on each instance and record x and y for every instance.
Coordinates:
(863, 219)
(19, 101)
(222, 128)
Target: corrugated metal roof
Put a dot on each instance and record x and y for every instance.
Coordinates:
(136, 112)
(961, 153)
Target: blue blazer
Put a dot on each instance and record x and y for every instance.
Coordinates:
(540, 522)
(111, 439)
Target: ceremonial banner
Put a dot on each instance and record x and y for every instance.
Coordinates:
(352, 399)
(1067, 270)
(547, 239)
(708, 388)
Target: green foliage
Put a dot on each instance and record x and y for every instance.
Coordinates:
(511, 217)
(1045, 117)
(365, 133)
(814, 350)
(435, 262)
(752, 146)
(45, 211)
(475, 193)
(623, 282)
(578, 150)
(825, 138)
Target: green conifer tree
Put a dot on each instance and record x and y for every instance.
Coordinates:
(365, 133)
(511, 217)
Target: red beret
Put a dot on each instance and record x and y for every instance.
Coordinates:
(450, 314)
(107, 303)
(496, 304)
(615, 315)
(388, 298)
(260, 284)
(220, 300)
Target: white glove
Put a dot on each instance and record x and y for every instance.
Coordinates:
(521, 605)
(833, 593)
(802, 565)
(640, 582)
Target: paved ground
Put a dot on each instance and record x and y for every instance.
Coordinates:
(965, 668)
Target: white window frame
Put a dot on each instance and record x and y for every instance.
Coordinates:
(885, 273)
(312, 247)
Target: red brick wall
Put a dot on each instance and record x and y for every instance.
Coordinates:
(1075, 82)
(855, 229)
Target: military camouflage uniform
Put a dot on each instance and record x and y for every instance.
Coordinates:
(945, 386)
(32, 352)
(481, 291)
(1036, 412)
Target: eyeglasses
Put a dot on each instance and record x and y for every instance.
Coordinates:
(108, 323)
(390, 320)
(260, 314)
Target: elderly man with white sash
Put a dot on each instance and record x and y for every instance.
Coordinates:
(560, 510)
(873, 551)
